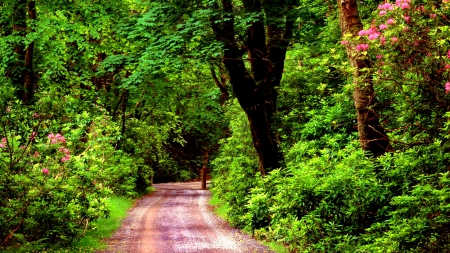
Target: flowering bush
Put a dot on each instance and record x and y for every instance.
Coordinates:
(411, 65)
(55, 177)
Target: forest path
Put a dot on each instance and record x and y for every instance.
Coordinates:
(178, 218)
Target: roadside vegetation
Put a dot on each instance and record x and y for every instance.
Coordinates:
(324, 124)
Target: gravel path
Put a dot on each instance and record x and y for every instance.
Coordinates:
(177, 218)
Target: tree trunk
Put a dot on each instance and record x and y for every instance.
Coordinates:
(28, 71)
(255, 88)
(372, 136)
(204, 169)
(22, 70)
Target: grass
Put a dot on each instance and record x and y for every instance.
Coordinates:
(221, 209)
(105, 227)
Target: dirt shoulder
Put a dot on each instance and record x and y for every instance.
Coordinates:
(177, 218)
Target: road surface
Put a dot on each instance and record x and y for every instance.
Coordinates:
(177, 218)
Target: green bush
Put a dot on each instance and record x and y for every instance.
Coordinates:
(56, 177)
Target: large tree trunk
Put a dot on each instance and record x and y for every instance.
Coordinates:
(372, 136)
(22, 75)
(255, 88)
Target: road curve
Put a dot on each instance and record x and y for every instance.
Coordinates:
(177, 218)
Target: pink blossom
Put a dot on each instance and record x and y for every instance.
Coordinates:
(390, 21)
(407, 19)
(382, 13)
(8, 109)
(54, 141)
(3, 143)
(383, 26)
(35, 115)
(51, 136)
(65, 150)
(45, 171)
(362, 47)
(373, 36)
(33, 136)
(65, 158)
(433, 15)
(379, 56)
(448, 54)
(364, 32)
(447, 87)
(344, 42)
(421, 8)
(394, 39)
(62, 139)
(383, 40)
(405, 6)
(386, 6)
(447, 66)
(36, 154)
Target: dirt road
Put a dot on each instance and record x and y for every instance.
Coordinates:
(177, 218)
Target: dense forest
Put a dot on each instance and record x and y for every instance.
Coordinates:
(325, 125)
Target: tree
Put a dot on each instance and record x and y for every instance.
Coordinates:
(269, 26)
(372, 136)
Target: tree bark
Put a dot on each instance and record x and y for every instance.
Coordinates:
(267, 39)
(204, 168)
(22, 70)
(372, 136)
(29, 82)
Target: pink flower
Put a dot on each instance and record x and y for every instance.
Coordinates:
(36, 154)
(394, 39)
(65, 150)
(382, 13)
(433, 15)
(65, 158)
(3, 143)
(54, 141)
(383, 40)
(447, 66)
(51, 136)
(390, 21)
(62, 139)
(379, 56)
(386, 6)
(383, 26)
(45, 171)
(8, 109)
(448, 54)
(344, 42)
(405, 6)
(447, 87)
(421, 8)
(407, 19)
(362, 47)
(364, 32)
(373, 36)
(35, 115)
(33, 136)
